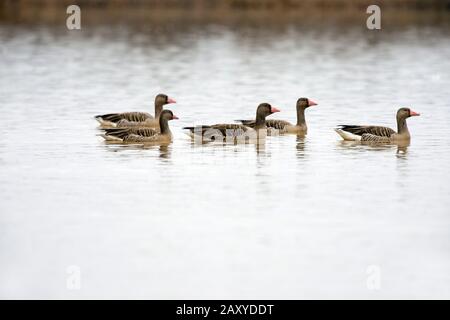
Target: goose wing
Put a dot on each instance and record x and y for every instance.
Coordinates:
(277, 124)
(221, 129)
(231, 129)
(132, 133)
(148, 123)
(248, 123)
(368, 137)
(130, 116)
(270, 123)
(372, 130)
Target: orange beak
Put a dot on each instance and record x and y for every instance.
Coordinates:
(414, 114)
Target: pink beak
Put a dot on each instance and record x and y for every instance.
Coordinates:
(273, 110)
(311, 103)
(414, 114)
(174, 117)
(170, 100)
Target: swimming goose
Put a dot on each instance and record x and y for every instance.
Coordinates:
(233, 130)
(141, 134)
(285, 126)
(379, 134)
(135, 118)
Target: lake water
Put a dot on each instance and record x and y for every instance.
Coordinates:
(294, 218)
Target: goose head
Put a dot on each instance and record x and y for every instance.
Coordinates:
(265, 109)
(404, 113)
(162, 99)
(304, 103)
(168, 115)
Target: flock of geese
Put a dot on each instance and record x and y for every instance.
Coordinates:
(142, 127)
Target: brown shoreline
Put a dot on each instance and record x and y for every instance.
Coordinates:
(395, 12)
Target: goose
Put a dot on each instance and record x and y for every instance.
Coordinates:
(378, 134)
(135, 118)
(142, 134)
(284, 126)
(234, 130)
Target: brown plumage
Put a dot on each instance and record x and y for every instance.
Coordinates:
(374, 130)
(379, 134)
(233, 130)
(219, 131)
(141, 134)
(285, 126)
(135, 118)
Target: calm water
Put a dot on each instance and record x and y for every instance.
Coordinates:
(296, 218)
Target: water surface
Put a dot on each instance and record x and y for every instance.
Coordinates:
(295, 218)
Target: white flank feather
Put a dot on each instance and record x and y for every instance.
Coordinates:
(348, 136)
(111, 138)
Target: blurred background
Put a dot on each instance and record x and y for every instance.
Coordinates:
(225, 11)
(298, 217)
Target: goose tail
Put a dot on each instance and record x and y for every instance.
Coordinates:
(110, 138)
(104, 122)
(347, 136)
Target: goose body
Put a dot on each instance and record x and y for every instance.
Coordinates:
(232, 131)
(283, 126)
(147, 123)
(114, 119)
(135, 118)
(222, 131)
(379, 134)
(142, 134)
